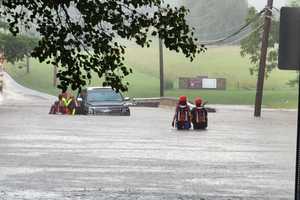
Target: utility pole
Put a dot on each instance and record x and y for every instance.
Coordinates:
(263, 59)
(161, 66)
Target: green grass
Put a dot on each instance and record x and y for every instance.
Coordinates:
(224, 62)
(41, 78)
(272, 99)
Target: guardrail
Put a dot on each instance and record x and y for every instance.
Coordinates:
(146, 102)
(164, 101)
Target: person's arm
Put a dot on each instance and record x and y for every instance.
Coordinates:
(174, 118)
(192, 114)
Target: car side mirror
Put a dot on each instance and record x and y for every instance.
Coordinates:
(127, 99)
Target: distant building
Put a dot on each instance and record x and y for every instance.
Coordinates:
(202, 82)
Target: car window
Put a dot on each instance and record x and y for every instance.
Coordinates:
(103, 95)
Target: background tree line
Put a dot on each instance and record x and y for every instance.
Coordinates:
(16, 48)
(250, 46)
(215, 19)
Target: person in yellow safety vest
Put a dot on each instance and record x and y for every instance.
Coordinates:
(66, 102)
(72, 105)
(69, 103)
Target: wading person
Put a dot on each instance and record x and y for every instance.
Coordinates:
(182, 119)
(72, 105)
(199, 115)
(66, 99)
(58, 106)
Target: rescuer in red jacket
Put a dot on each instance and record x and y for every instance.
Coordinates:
(199, 115)
(182, 118)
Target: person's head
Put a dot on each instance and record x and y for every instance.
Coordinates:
(65, 94)
(198, 101)
(182, 100)
(72, 97)
(83, 93)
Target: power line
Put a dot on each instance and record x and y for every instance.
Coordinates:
(244, 28)
(241, 29)
(242, 37)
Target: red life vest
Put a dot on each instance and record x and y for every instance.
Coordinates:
(183, 113)
(200, 115)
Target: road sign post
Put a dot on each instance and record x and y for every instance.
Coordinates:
(289, 59)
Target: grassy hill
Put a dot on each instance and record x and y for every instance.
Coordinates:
(222, 62)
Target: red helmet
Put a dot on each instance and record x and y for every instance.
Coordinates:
(198, 101)
(182, 99)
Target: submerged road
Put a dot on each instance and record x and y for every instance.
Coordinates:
(141, 157)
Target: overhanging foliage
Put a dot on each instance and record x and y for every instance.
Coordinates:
(83, 36)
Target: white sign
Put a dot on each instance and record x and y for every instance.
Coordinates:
(209, 83)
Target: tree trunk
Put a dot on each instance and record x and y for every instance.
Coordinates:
(27, 64)
(54, 75)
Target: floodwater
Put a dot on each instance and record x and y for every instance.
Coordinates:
(141, 156)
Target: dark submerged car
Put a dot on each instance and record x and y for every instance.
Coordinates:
(103, 101)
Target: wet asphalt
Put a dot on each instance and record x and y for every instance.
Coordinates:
(142, 156)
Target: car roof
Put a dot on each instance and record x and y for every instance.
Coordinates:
(96, 88)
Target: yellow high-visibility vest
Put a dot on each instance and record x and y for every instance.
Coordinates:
(66, 101)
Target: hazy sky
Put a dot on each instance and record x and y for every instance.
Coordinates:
(260, 4)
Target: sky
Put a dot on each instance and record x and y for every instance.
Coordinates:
(260, 4)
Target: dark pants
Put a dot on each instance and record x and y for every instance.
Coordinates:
(200, 126)
(183, 125)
